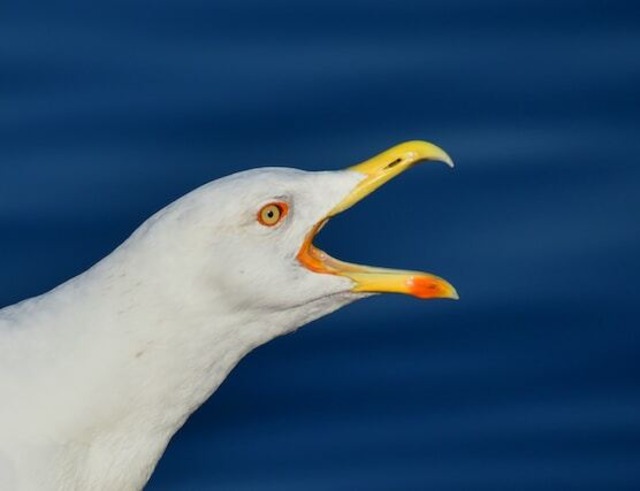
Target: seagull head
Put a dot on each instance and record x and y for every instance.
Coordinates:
(246, 241)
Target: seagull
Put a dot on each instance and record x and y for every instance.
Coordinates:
(99, 373)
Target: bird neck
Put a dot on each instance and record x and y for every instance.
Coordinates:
(107, 367)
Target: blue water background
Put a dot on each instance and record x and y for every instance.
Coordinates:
(111, 109)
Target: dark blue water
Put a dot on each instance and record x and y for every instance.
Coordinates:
(111, 109)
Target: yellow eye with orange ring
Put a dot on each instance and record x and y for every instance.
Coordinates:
(271, 214)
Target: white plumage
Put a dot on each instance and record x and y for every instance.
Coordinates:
(99, 373)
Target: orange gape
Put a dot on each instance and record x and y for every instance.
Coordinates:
(317, 260)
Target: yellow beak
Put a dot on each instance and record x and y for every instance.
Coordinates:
(377, 171)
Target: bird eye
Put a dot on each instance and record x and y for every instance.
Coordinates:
(271, 214)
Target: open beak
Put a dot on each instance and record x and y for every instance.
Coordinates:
(377, 171)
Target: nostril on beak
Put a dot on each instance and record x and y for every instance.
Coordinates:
(391, 165)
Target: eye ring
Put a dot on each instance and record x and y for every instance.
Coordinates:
(273, 213)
